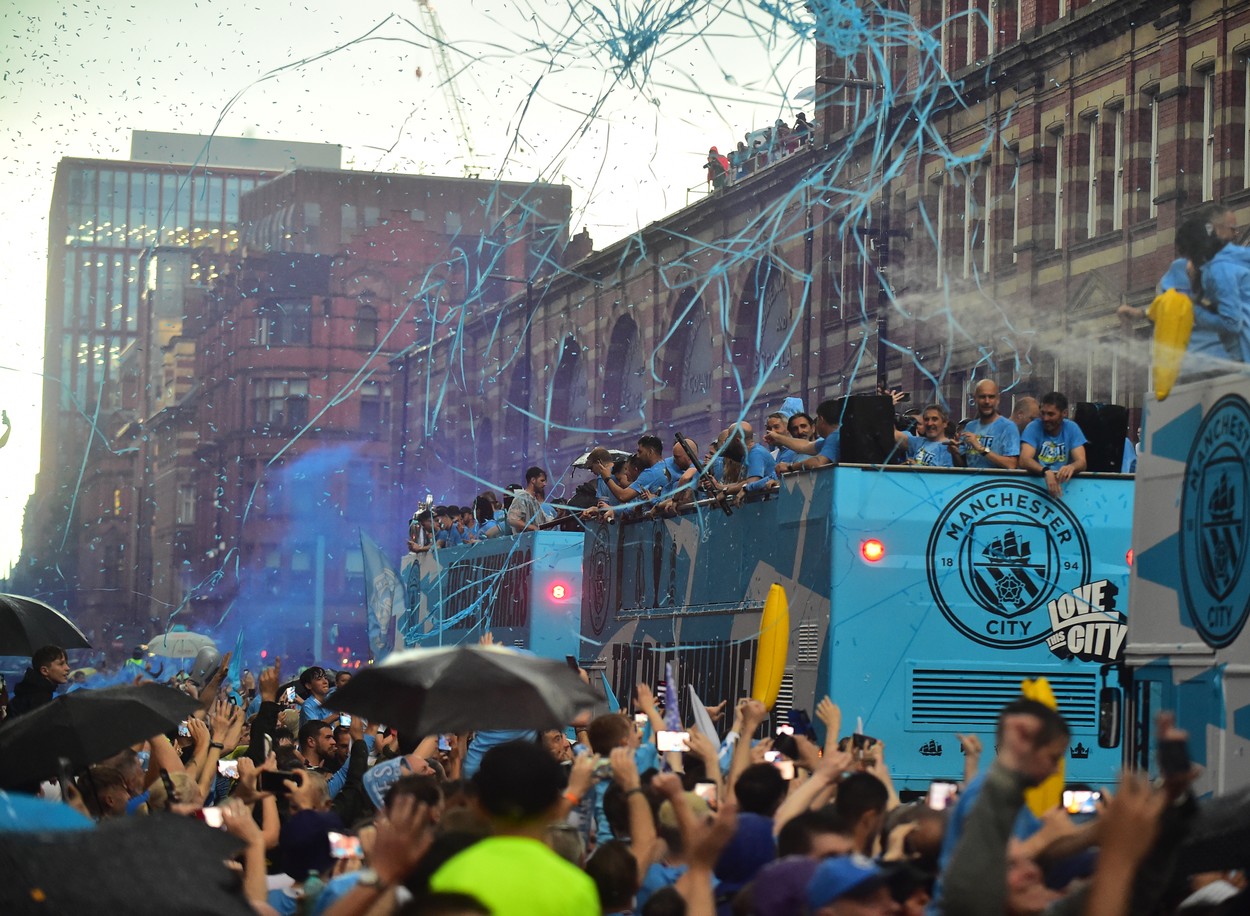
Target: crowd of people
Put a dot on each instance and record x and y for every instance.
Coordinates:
(757, 150)
(336, 815)
(657, 482)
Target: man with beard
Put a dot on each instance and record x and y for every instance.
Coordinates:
(991, 440)
(526, 512)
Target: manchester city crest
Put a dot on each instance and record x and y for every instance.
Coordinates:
(1215, 505)
(997, 555)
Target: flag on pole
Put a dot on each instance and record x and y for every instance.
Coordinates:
(384, 598)
(672, 714)
(698, 712)
(234, 673)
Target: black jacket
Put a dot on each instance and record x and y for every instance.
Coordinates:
(33, 691)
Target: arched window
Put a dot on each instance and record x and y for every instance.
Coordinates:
(624, 388)
(688, 355)
(762, 324)
(568, 386)
(366, 325)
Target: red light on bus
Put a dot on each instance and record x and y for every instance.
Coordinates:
(1128, 557)
(559, 591)
(872, 550)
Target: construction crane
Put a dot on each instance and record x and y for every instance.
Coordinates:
(429, 19)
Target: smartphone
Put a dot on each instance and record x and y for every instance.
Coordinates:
(603, 769)
(772, 756)
(1079, 801)
(183, 731)
(786, 768)
(228, 768)
(443, 743)
(289, 695)
(273, 781)
(666, 741)
(212, 817)
(941, 794)
(640, 719)
(706, 791)
(345, 846)
(345, 719)
(860, 741)
(64, 774)
(572, 663)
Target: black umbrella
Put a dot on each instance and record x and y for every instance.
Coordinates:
(27, 625)
(87, 726)
(134, 865)
(425, 691)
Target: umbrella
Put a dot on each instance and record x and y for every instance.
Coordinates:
(465, 687)
(86, 726)
(582, 461)
(20, 812)
(26, 625)
(179, 644)
(125, 865)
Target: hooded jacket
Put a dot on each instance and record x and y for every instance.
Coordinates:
(31, 692)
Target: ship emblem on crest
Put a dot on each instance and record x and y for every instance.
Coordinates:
(1007, 578)
(1223, 533)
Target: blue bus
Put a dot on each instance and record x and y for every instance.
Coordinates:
(919, 600)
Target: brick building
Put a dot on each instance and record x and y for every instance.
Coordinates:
(175, 190)
(1061, 145)
(293, 398)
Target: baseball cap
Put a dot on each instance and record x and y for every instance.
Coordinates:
(842, 875)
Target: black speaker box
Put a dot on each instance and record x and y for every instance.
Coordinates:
(867, 428)
(1105, 427)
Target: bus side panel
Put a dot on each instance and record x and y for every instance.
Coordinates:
(692, 588)
(1187, 649)
(985, 580)
(525, 589)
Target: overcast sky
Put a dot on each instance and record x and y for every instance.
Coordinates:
(568, 91)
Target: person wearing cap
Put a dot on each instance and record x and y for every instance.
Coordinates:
(851, 885)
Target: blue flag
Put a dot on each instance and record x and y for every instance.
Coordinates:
(235, 672)
(384, 598)
(672, 715)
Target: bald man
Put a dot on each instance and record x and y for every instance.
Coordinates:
(991, 440)
(1027, 410)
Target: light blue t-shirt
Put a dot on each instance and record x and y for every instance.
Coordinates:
(1226, 280)
(928, 452)
(788, 456)
(660, 479)
(1001, 437)
(1053, 451)
(830, 447)
(312, 709)
(603, 493)
(761, 464)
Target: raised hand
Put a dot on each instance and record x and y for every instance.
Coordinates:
(270, 678)
(401, 840)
